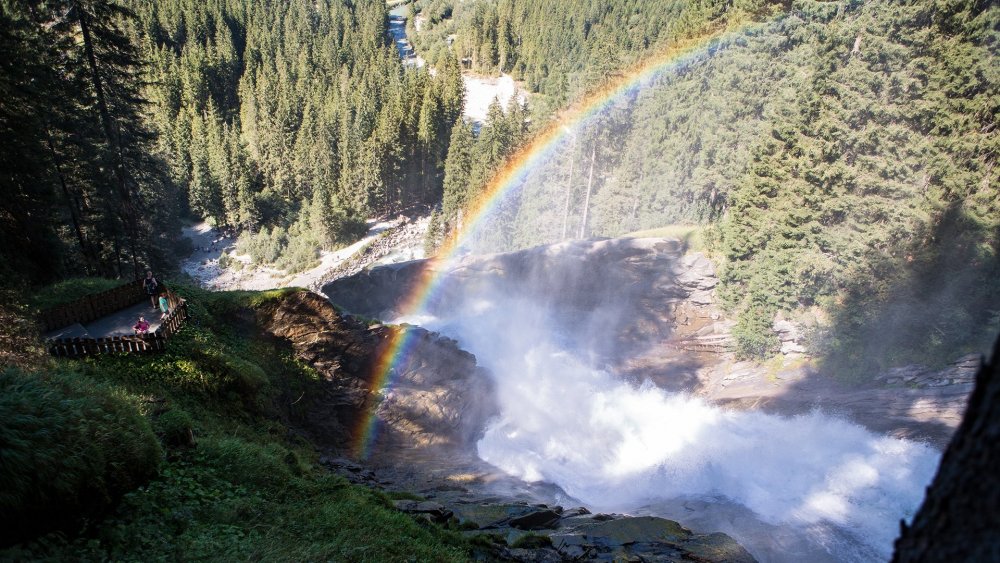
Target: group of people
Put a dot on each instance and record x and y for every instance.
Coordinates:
(159, 297)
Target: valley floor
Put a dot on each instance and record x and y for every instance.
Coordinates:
(210, 245)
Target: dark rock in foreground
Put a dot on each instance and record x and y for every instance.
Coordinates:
(960, 517)
(577, 535)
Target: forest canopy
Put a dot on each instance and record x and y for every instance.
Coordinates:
(840, 155)
(292, 119)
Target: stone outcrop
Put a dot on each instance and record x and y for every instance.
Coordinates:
(539, 532)
(401, 241)
(435, 396)
(790, 336)
(575, 534)
(646, 291)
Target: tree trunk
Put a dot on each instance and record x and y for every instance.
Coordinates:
(110, 133)
(73, 212)
(960, 517)
(590, 185)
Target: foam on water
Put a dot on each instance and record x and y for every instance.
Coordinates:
(619, 447)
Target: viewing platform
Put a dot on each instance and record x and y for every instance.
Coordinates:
(101, 323)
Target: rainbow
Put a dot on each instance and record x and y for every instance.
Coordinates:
(395, 351)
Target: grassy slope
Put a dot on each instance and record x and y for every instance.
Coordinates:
(248, 489)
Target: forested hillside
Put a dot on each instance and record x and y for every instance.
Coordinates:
(84, 189)
(842, 153)
(564, 49)
(288, 121)
(295, 115)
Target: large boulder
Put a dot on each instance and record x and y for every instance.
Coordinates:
(433, 395)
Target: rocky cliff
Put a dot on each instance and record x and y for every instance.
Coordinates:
(438, 397)
(644, 292)
(644, 309)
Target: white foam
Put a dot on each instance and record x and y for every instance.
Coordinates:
(618, 447)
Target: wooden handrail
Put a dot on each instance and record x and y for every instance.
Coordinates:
(95, 306)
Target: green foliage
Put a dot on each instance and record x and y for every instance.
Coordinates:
(245, 490)
(753, 334)
(841, 151)
(474, 160)
(265, 246)
(249, 464)
(69, 290)
(176, 427)
(298, 118)
(70, 449)
(435, 233)
(871, 195)
(85, 192)
(226, 261)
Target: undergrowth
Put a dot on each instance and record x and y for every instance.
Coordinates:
(189, 456)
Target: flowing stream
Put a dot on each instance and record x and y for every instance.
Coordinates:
(812, 487)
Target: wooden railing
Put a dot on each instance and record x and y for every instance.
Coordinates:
(98, 305)
(92, 307)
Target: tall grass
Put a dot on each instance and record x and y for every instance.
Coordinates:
(70, 447)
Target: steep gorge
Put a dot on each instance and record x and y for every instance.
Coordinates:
(600, 351)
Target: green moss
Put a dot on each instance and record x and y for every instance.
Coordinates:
(532, 541)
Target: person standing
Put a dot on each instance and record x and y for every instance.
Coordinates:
(152, 287)
(164, 305)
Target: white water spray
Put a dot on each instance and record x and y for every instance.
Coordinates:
(618, 447)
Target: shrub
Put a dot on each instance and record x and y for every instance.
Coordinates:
(247, 463)
(176, 427)
(300, 253)
(68, 450)
(755, 339)
(264, 247)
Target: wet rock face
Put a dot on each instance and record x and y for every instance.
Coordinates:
(643, 291)
(436, 396)
(550, 533)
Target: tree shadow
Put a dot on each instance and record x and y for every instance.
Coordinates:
(899, 353)
(934, 299)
